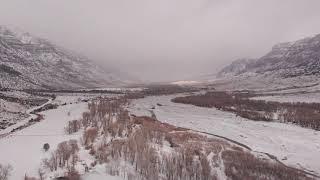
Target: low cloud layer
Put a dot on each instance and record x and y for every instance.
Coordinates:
(163, 40)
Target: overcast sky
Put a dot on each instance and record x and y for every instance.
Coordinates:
(163, 40)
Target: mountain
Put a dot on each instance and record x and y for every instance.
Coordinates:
(287, 64)
(236, 67)
(28, 62)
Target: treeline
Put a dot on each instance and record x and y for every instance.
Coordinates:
(158, 90)
(154, 90)
(93, 91)
(30, 101)
(300, 113)
(45, 108)
(9, 70)
(239, 165)
(159, 151)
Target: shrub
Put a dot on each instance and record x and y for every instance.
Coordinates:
(46, 147)
(90, 135)
(73, 126)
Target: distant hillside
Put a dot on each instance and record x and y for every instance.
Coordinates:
(30, 62)
(236, 67)
(287, 64)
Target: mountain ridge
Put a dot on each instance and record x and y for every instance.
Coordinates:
(28, 62)
(286, 63)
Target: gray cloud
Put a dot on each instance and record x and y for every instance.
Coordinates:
(165, 39)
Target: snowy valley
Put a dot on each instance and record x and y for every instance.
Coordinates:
(106, 154)
(65, 116)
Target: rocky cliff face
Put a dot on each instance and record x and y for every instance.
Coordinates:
(30, 62)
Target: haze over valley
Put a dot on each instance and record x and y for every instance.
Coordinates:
(159, 90)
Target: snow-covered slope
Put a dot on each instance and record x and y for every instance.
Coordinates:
(30, 62)
(297, 62)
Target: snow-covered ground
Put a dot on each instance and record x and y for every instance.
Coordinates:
(100, 174)
(23, 149)
(308, 98)
(11, 106)
(291, 144)
(185, 82)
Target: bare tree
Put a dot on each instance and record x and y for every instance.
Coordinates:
(73, 126)
(40, 174)
(5, 171)
(90, 135)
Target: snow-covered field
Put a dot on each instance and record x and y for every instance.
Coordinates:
(23, 149)
(293, 145)
(308, 98)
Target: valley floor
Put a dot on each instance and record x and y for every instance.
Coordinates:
(293, 145)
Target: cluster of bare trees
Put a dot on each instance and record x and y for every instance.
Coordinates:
(158, 90)
(188, 163)
(141, 142)
(89, 135)
(40, 176)
(64, 156)
(155, 150)
(303, 114)
(73, 126)
(72, 174)
(142, 149)
(154, 90)
(243, 165)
